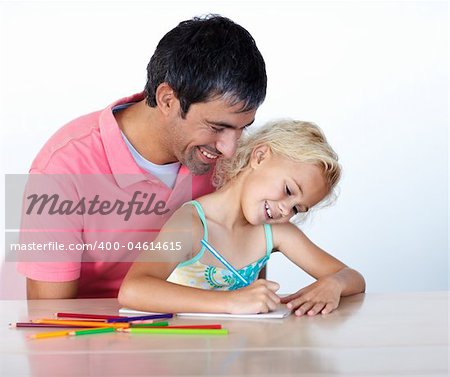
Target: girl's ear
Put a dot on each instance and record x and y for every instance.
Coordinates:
(166, 100)
(259, 154)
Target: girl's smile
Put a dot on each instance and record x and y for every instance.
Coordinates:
(267, 211)
(277, 188)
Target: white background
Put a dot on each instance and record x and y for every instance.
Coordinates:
(373, 75)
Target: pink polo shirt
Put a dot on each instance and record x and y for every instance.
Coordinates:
(89, 157)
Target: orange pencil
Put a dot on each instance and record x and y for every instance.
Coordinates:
(81, 323)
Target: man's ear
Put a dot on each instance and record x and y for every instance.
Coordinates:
(166, 100)
(260, 154)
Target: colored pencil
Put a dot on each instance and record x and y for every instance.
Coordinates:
(44, 325)
(92, 331)
(86, 316)
(166, 325)
(141, 317)
(80, 320)
(153, 324)
(145, 321)
(212, 326)
(81, 323)
(223, 261)
(179, 326)
(53, 334)
(165, 330)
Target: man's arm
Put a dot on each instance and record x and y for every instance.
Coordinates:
(55, 274)
(51, 290)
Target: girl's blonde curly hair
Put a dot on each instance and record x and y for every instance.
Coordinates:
(296, 140)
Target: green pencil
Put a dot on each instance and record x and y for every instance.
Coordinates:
(162, 330)
(92, 331)
(157, 324)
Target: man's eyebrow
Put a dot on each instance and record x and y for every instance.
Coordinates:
(227, 125)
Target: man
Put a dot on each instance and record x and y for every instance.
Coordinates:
(205, 82)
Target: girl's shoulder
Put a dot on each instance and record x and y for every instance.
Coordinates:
(185, 228)
(283, 232)
(285, 227)
(187, 217)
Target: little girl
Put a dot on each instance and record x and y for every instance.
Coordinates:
(280, 170)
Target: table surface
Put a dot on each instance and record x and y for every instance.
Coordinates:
(395, 334)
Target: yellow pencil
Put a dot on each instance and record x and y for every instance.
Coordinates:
(53, 334)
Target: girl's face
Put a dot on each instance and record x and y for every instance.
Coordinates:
(276, 188)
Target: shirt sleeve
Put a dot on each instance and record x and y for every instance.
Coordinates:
(47, 236)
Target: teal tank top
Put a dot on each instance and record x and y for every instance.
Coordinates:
(193, 273)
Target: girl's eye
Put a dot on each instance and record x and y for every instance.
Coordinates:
(294, 209)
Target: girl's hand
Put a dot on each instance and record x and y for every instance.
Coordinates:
(322, 296)
(258, 297)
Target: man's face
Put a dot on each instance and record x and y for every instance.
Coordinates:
(210, 130)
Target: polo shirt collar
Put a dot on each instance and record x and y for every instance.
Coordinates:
(123, 167)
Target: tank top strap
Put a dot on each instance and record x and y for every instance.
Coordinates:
(269, 239)
(201, 214)
(202, 217)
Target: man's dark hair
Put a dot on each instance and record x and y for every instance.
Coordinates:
(208, 57)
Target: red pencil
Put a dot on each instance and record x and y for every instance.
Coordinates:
(87, 316)
(194, 327)
(179, 326)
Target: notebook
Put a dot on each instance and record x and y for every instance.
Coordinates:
(281, 312)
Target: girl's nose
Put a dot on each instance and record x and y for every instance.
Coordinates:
(286, 206)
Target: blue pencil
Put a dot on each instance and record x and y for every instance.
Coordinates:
(223, 261)
(140, 317)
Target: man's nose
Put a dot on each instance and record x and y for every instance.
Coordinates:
(227, 142)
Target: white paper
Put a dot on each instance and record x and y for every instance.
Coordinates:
(281, 312)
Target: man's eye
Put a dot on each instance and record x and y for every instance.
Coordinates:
(216, 130)
(288, 191)
(295, 210)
